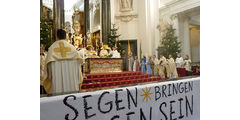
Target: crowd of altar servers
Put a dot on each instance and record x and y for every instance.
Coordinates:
(166, 68)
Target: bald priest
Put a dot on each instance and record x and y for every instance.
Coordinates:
(63, 64)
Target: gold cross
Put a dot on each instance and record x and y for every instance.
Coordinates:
(62, 49)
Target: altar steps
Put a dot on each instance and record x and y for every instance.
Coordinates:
(110, 80)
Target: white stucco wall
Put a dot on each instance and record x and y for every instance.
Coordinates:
(187, 13)
(143, 28)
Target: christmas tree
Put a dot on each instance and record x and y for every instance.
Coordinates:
(45, 33)
(170, 43)
(113, 39)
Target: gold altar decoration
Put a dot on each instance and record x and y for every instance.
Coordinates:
(104, 65)
(91, 54)
(78, 41)
(89, 39)
(78, 22)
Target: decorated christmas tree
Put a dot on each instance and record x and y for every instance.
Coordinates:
(170, 43)
(113, 39)
(45, 33)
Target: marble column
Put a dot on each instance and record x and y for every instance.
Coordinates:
(174, 18)
(41, 8)
(58, 15)
(86, 16)
(106, 20)
(86, 19)
(186, 37)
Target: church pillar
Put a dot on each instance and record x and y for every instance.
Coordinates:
(86, 19)
(41, 8)
(154, 27)
(174, 18)
(186, 43)
(58, 15)
(106, 20)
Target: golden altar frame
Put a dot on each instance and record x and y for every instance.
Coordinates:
(103, 65)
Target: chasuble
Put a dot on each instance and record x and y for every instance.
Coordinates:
(63, 64)
(163, 66)
(172, 73)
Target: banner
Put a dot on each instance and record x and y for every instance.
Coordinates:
(170, 100)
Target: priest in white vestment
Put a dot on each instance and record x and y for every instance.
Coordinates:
(162, 66)
(179, 61)
(187, 65)
(104, 52)
(82, 53)
(63, 64)
(115, 53)
(43, 55)
(172, 72)
(156, 66)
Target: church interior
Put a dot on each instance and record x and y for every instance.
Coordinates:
(94, 45)
(120, 59)
(135, 28)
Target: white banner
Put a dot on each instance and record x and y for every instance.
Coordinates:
(170, 100)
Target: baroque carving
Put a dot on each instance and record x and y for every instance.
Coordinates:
(126, 17)
(125, 5)
(174, 16)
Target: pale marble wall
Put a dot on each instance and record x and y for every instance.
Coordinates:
(142, 27)
(182, 13)
(195, 44)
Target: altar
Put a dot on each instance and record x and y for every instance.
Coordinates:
(103, 65)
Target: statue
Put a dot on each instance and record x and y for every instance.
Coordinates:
(77, 36)
(77, 28)
(78, 41)
(68, 31)
(125, 5)
(89, 40)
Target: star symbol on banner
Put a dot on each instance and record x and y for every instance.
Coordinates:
(146, 94)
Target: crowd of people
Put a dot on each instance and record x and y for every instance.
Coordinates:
(63, 56)
(166, 68)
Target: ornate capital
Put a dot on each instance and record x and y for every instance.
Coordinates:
(174, 16)
(126, 17)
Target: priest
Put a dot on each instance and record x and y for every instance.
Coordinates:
(172, 72)
(104, 52)
(179, 61)
(43, 55)
(162, 66)
(63, 65)
(156, 66)
(115, 53)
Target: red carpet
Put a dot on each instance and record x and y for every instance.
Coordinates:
(102, 80)
(181, 72)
